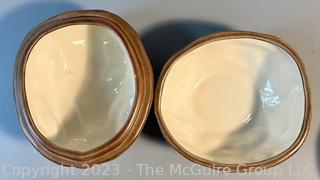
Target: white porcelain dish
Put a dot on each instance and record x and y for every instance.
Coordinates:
(237, 100)
(83, 87)
(80, 86)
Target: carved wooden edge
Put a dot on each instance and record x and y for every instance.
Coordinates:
(236, 167)
(140, 109)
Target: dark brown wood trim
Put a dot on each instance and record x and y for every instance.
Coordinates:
(235, 167)
(143, 99)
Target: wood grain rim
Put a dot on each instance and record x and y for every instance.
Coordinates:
(236, 167)
(143, 100)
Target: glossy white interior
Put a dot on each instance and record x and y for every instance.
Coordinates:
(234, 101)
(80, 86)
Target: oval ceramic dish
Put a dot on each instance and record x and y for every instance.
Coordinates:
(83, 87)
(239, 100)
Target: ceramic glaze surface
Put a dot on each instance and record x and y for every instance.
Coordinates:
(234, 101)
(80, 86)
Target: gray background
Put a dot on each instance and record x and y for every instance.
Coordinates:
(165, 26)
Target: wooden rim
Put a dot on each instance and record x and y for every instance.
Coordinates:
(236, 167)
(143, 100)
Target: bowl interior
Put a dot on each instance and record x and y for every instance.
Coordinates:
(80, 86)
(234, 101)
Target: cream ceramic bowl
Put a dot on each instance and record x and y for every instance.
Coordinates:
(83, 87)
(80, 86)
(233, 99)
